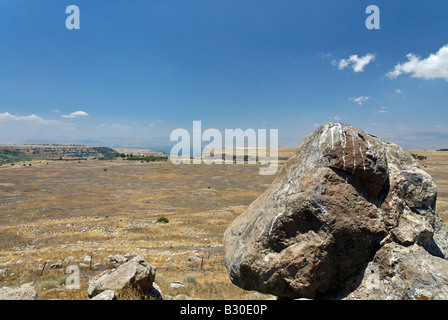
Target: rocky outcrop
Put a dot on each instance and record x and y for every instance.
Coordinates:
(26, 291)
(136, 273)
(340, 202)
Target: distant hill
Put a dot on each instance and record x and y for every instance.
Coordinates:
(16, 153)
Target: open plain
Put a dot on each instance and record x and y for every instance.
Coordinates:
(58, 213)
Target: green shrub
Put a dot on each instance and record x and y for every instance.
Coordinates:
(163, 219)
(47, 284)
(190, 278)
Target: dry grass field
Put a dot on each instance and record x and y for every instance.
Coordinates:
(61, 211)
(436, 164)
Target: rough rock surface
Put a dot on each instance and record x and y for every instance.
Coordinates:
(403, 273)
(26, 291)
(105, 295)
(331, 210)
(137, 273)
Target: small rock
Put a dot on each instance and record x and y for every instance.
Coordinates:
(118, 259)
(177, 284)
(155, 292)
(26, 291)
(68, 259)
(137, 273)
(194, 259)
(105, 295)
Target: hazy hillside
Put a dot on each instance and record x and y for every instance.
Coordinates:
(15, 153)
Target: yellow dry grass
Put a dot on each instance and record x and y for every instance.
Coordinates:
(63, 211)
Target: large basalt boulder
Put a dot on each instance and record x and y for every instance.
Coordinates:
(339, 199)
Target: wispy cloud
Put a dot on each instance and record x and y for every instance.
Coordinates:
(383, 109)
(357, 63)
(75, 114)
(435, 66)
(359, 100)
(336, 118)
(32, 118)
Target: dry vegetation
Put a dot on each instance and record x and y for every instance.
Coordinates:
(51, 211)
(60, 212)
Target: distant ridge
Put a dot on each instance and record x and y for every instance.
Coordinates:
(16, 153)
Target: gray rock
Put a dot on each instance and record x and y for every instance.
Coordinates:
(403, 273)
(177, 285)
(155, 292)
(105, 295)
(338, 200)
(118, 259)
(137, 273)
(26, 291)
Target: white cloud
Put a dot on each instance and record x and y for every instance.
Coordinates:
(120, 126)
(359, 100)
(336, 118)
(357, 63)
(325, 55)
(383, 109)
(75, 114)
(398, 91)
(6, 116)
(433, 67)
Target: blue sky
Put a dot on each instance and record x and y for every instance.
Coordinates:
(138, 69)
